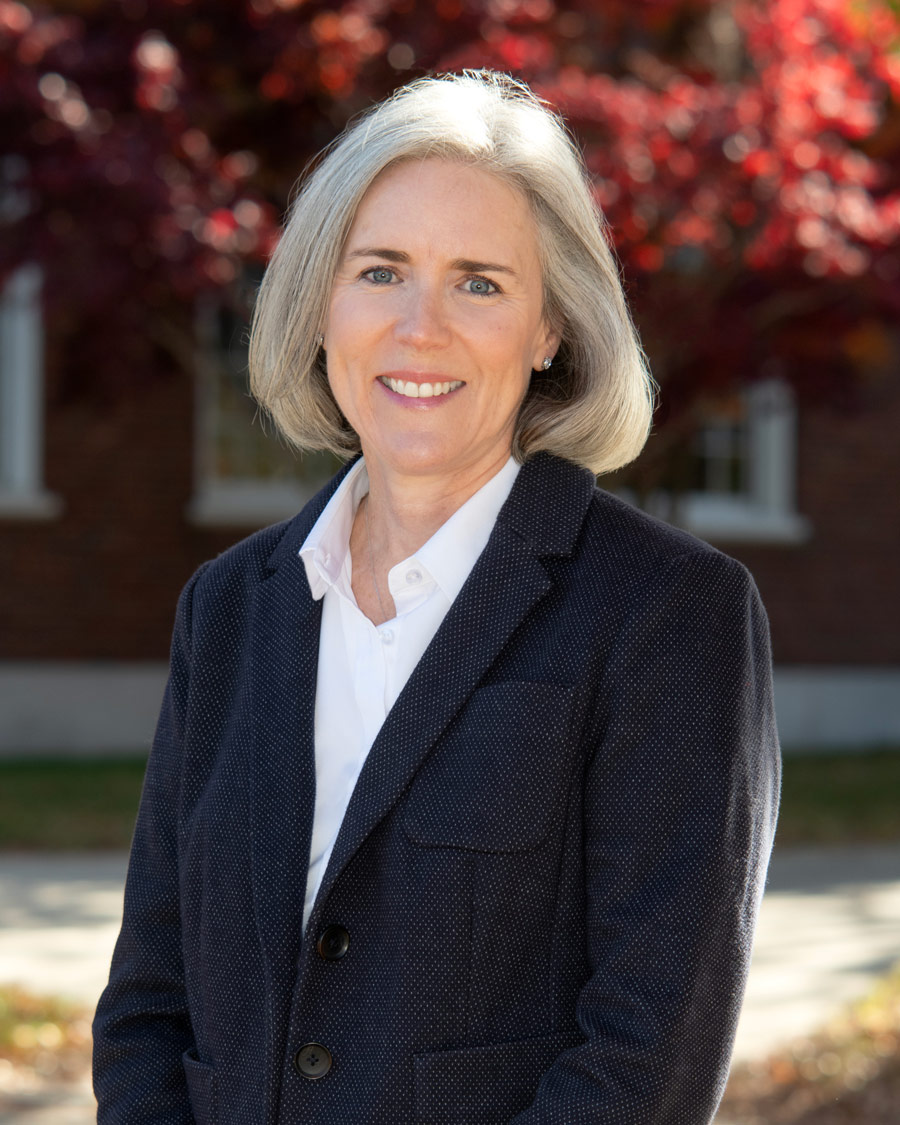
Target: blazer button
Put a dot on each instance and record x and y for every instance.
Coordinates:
(333, 943)
(313, 1060)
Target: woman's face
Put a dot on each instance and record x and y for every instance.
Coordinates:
(435, 320)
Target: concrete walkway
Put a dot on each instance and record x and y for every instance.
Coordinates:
(829, 927)
(59, 917)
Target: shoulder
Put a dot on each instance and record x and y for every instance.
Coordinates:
(248, 559)
(669, 602)
(607, 545)
(638, 556)
(641, 538)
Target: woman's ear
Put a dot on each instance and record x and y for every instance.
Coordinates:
(547, 349)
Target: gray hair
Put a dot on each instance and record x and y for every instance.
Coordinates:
(595, 405)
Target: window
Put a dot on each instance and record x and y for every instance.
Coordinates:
(740, 472)
(245, 474)
(22, 492)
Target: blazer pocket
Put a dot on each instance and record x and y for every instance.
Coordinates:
(202, 1089)
(495, 780)
(484, 1085)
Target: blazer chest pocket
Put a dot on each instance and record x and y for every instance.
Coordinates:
(497, 778)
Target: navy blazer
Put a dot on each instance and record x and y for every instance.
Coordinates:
(541, 901)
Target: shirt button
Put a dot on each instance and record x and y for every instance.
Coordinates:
(387, 637)
(313, 1060)
(413, 577)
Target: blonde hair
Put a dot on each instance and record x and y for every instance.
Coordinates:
(595, 405)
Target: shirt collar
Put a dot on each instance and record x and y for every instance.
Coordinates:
(449, 554)
(324, 550)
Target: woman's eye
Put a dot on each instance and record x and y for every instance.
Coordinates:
(381, 275)
(480, 286)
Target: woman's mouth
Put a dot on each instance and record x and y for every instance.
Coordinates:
(409, 389)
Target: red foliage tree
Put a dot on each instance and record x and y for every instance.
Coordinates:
(747, 154)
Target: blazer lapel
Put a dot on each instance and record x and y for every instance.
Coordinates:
(284, 649)
(284, 654)
(542, 517)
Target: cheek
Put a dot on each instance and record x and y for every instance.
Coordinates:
(344, 345)
(339, 381)
(352, 311)
(344, 316)
(350, 386)
(511, 339)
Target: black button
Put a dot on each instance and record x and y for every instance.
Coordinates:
(313, 1060)
(333, 943)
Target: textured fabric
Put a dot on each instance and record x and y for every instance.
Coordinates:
(549, 869)
(363, 668)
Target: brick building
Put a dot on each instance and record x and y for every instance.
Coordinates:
(106, 509)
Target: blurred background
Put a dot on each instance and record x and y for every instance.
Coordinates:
(747, 156)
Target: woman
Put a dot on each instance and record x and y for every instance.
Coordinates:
(464, 785)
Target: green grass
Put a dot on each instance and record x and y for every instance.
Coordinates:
(91, 804)
(73, 804)
(840, 798)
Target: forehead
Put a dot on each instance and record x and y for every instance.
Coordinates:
(440, 202)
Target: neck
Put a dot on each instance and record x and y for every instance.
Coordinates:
(398, 516)
(405, 511)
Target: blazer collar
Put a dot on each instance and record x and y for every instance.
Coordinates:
(545, 508)
(548, 503)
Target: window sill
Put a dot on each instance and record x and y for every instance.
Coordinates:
(734, 522)
(30, 506)
(729, 519)
(246, 504)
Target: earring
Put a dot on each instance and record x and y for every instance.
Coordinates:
(320, 340)
(547, 363)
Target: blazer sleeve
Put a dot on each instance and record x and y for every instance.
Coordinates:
(679, 814)
(141, 1027)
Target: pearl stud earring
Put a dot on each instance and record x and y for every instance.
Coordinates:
(320, 340)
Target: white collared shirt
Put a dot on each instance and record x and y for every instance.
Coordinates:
(362, 667)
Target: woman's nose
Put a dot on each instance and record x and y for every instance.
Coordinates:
(423, 320)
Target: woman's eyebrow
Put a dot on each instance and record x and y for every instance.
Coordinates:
(380, 252)
(467, 265)
(464, 265)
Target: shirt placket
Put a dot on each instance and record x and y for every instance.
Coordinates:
(369, 681)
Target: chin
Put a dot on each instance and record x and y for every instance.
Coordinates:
(418, 456)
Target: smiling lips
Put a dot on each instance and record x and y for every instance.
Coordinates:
(419, 390)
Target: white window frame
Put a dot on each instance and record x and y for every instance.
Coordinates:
(244, 502)
(22, 491)
(766, 511)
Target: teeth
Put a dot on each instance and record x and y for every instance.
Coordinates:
(420, 390)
